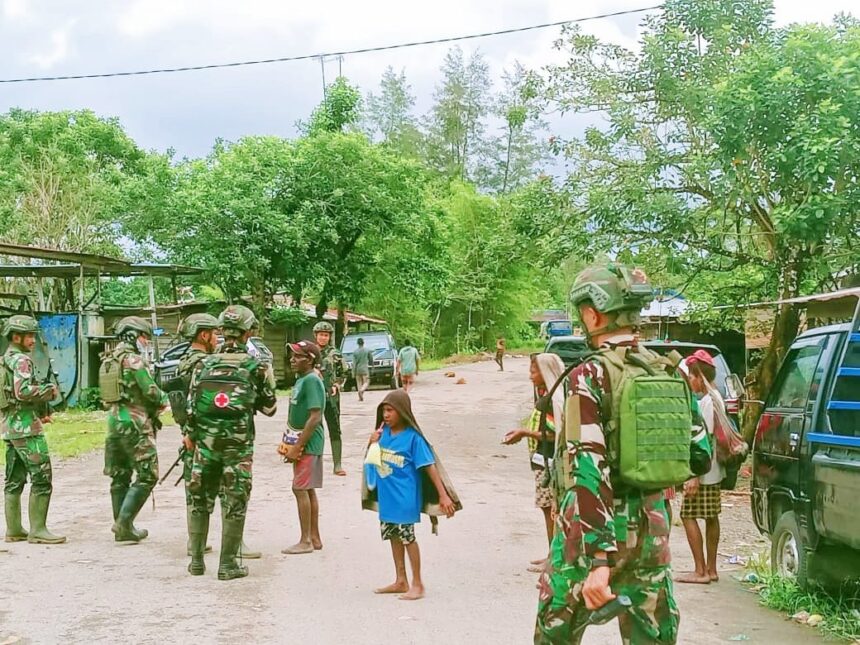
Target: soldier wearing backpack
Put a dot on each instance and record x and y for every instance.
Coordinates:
(134, 401)
(630, 429)
(226, 390)
(26, 449)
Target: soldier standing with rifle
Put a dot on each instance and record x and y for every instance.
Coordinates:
(226, 390)
(332, 369)
(26, 448)
(134, 402)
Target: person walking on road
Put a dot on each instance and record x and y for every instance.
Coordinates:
(127, 386)
(612, 532)
(702, 494)
(332, 369)
(500, 353)
(21, 397)
(408, 360)
(361, 368)
(544, 370)
(306, 444)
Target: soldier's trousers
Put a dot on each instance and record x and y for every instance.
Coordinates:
(28, 457)
(332, 416)
(130, 451)
(643, 573)
(226, 475)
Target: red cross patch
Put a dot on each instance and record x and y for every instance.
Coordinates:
(222, 400)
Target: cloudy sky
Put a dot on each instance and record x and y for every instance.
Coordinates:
(188, 111)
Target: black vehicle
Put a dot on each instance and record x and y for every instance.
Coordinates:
(806, 458)
(168, 365)
(570, 349)
(383, 353)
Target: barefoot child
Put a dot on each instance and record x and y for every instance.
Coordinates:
(406, 459)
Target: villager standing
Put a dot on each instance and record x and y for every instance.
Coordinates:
(361, 368)
(332, 370)
(226, 390)
(612, 532)
(134, 402)
(500, 353)
(27, 455)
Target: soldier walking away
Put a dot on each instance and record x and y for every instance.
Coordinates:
(500, 353)
(201, 331)
(226, 390)
(134, 402)
(361, 368)
(332, 370)
(610, 469)
(21, 396)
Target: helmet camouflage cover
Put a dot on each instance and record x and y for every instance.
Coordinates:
(194, 323)
(237, 318)
(613, 288)
(20, 324)
(323, 326)
(133, 324)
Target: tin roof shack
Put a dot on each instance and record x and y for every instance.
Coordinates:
(70, 314)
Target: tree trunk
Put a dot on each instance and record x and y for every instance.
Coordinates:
(260, 304)
(341, 323)
(322, 305)
(784, 331)
(508, 159)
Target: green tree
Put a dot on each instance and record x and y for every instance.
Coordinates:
(731, 149)
(339, 111)
(389, 116)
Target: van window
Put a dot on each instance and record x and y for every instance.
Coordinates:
(797, 375)
(847, 389)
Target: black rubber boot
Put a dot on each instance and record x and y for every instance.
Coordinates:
(198, 531)
(15, 531)
(39, 533)
(206, 548)
(231, 539)
(123, 527)
(117, 497)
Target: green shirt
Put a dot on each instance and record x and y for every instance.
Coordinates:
(408, 358)
(361, 361)
(308, 394)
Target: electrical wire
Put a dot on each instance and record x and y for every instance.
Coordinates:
(363, 50)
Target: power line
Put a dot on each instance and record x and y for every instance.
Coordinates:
(364, 50)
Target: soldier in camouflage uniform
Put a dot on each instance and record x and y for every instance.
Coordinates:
(607, 541)
(132, 426)
(332, 369)
(26, 448)
(224, 443)
(200, 330)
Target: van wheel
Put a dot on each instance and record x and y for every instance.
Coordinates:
(788, 556)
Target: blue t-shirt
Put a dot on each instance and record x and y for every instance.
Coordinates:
(398, 481)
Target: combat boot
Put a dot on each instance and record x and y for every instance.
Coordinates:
(188, 548)
(198, 531)
(231, 539)
(117, 496)
(15, 532)
(123, 527)
(39, 533)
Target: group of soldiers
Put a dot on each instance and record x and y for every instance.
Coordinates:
(218, 390)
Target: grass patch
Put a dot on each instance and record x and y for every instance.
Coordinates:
(840, 612)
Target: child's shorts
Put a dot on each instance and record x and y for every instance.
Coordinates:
(404, 533)
(308, 472)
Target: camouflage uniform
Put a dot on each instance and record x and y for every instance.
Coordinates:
(223, 458)
(333, 370)
(130, 441)
(187, 364)
(26, 447)
(630, 525)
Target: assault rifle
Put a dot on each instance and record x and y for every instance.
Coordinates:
(182, 452)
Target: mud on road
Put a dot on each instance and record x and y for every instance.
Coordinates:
(478, 590)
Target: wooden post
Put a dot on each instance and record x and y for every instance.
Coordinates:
(153, 316)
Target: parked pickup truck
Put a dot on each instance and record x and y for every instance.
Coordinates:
(806, 458)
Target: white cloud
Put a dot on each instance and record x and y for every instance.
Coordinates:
(58, 50)
(15, 8)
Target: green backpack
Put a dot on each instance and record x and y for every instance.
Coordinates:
(224, 387)
(650, 419)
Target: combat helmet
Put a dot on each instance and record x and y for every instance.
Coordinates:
(194, 323)
(20, 324)
(323, 326)
(613, 288)
(130, 327)
(236, 320)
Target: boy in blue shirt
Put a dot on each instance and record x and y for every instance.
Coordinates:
(405, 453)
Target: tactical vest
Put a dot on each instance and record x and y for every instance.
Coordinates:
(111, 384)
(224, 387)
(648, 422)
(7, 397)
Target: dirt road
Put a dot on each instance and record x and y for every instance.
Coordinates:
(91, 590)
